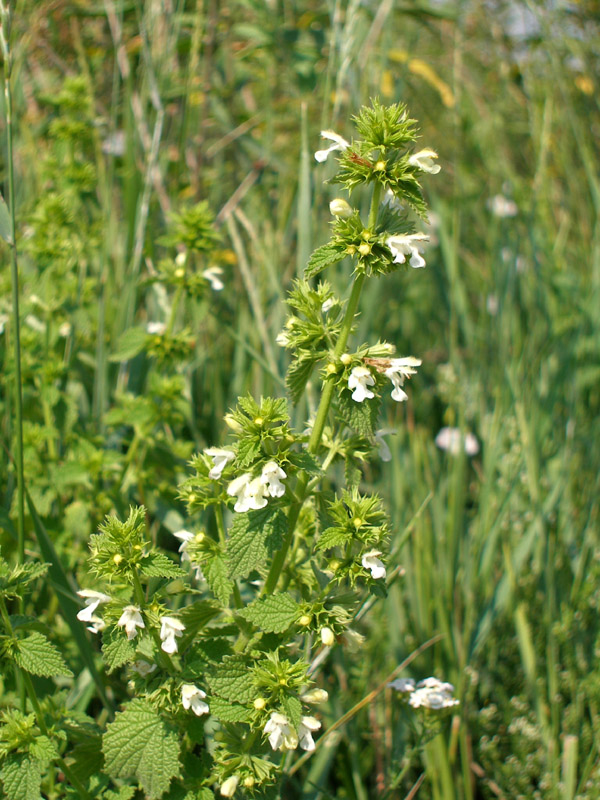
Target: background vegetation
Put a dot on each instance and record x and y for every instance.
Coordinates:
(127, 117)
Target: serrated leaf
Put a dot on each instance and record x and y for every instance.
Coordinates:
(332, 537)
(86, 758)
(117, 649)
(21, 777)
(35, 654)
(195, 616)
(273, 614)
(158, 565)
(297, 376)
(124, 793)
(130, 343)
(215, 572)
(226, 711)
(293, 710)
(352, 473)
(323, 257)
(253, 538)
(361, 417)
(233, 680)
(139, 743)
(5, 222)
(44, 749)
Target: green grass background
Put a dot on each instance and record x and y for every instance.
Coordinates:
(128, 112)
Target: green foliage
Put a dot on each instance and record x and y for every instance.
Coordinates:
(35, 654)
(140, 744)
(254, 537)
(274, 614)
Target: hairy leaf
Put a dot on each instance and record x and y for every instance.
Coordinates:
(362, 417)
(254, 537)
(117, 649)
(233, 680)
(226, 711)
(215, 571)
(323, 257)
(274, 614)
(35, 654)
(158, 565)
(139, 743)
(21, 776)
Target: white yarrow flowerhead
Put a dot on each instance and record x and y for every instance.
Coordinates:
(213, 276)
(374, 564)
(271, 476)
(410, 244)
(220, 458)
(281, 734)
(131, 619)
(453, 440)
(424, 161)
(403, 685)
(359, 379)
(308, 725)
(339, 143)
(170, 628)
(192, 697)
(92, 601)
(185, 537)
(433, 694)
(229, 786)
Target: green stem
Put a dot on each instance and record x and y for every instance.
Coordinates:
(167, 662)
(5, 28)
(322, 413)
(173, 314)
(39, 714)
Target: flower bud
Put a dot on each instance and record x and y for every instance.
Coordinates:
(346, 359)
(357, 522)
(364, 249)
(232, 423)
(304, 619)
(380, 166)
(258, 421)
(331, 369)
(315, 696)
(229, 786)
(180, 259)
(260, 703)
(117, 558)
(327, 637)
(179, 273)
(249, 781)
(340, 208)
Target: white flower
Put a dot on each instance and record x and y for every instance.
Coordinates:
(271, 476)
(213, 276)
(314, 696)
(192, 697)
(390, 199)
(340, 208)
(398, 370)
(92, 601)
(327, 636)
(327, 305)
(229, 786)
(385, 454)
(97, 624)
(404, 685)
(434, 694)
(281, 734)
(157, 328)
(374, 564)
(501, 206)
(131, 619)
(359, 379)
(143, 668)
(250, 493)
(411, 244)
(424, 160)
(170, 628)
(452, 440)
(307, 727)
(64, 330)
(185, 538)
(338, 144)
(220, 457)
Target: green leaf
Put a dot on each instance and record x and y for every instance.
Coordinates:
(35, 654)
(293, 710)
(352, 473)
(215, 572)
(233, 680)
(117, 649)
(21, 776)
(323, 257)
(159, 565)
(332, 537)
(254, 537)
(86, 758)
(195, 616)
(130, 343)
(43, 749)
(273, 614)
(139, 743)
(362, 417)
(226, 711)
(298, 374)
(5, 222)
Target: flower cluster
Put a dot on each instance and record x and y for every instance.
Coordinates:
(283, 736)
(253, 493)
(396, 369)
(430, 693)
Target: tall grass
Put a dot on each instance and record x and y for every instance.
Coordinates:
(180, 102)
